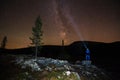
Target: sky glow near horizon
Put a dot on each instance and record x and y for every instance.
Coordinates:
(97, 20)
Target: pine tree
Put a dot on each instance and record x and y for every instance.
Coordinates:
(4, 41)
(37, 34)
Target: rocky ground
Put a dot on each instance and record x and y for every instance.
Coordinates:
(23, 67)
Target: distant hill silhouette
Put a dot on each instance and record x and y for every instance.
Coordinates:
(99, 51)
(76, 50)
(104, 55)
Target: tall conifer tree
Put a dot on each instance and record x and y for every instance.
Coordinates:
(37, 34)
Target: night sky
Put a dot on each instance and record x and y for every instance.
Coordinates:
(71, 20)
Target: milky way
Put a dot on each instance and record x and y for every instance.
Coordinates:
(97, 20)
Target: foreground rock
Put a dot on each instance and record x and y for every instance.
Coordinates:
(53, 69)
(28, 68)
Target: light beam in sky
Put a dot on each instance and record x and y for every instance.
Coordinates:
(96, 20)
(75, 26)
(66, 14)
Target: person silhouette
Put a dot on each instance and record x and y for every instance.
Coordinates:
(87, 54)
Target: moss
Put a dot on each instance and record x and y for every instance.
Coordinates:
(61, 75)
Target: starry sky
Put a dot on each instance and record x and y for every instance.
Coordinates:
(71, 20)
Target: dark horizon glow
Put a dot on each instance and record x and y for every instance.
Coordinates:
(97, 20)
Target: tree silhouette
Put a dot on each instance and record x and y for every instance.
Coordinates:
(37, 34)
(4, 41)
